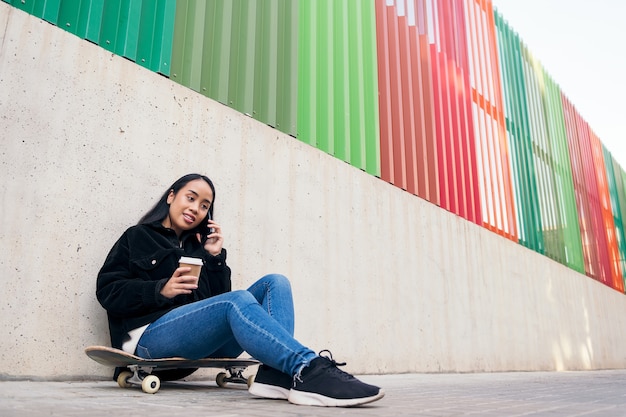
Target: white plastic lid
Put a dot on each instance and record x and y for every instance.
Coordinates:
(190, 261)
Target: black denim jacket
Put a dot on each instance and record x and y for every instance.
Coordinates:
(137, 268)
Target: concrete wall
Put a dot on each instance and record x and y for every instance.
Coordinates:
(385, 280)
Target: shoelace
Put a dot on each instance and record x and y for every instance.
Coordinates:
(330, 357)
(329, 363)
(333, 365)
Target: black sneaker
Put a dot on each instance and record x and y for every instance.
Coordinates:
(323, 384)
(271, 383)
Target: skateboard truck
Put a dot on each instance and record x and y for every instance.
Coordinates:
(139, 375)
(235, 375)
(142, 376)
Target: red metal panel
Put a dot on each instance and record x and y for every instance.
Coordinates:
(578, 177)
(607, 226)
(491, 146)
(397, 119)
(592, 225)
(467, 145)
(396, 55)
(428, 184)
(405, 101)
(440, 129)
(407, 74)
(384, 85)
(445, 107)
(457, 173)
(388, 68)
(447, 175)
(591, 189)
(484, 118)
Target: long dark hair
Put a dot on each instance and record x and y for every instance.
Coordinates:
(161, 209)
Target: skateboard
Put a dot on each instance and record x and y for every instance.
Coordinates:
(141, 370)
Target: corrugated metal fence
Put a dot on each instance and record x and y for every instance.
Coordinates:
(438, 97)
(140, 30)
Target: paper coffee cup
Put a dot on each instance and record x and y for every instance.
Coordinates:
(194, 263)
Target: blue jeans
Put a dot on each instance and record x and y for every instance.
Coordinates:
(259, 320)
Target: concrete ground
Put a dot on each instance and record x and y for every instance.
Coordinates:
(554, 394)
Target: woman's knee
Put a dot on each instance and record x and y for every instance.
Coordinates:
(278, 279)
(241, 298)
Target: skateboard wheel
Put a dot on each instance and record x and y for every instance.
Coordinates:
(122, 379)
(220, 380)
(150, 384)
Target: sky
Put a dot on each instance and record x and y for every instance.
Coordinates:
(581, 44)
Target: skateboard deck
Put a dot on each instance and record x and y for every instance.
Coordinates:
(141, 369)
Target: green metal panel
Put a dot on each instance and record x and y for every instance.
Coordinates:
(564, 183)
(29, 6)
(617, 192)
(70, 15)
(150, 27)
(242, 62)
(552, 171)
(73, 16)
(547, 213)
(140, 30)
(307, 83)
(94, 21)
(517, 125)
(337, 81)
(187, 48)
(544, 163)
(156, 28)
(286, 71)
(507, 73)
(276, 60)
(242, 54)
(366, 97)
(118, 33)
(561, 228)
(47, 10)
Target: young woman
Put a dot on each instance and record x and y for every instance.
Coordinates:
(157, 309)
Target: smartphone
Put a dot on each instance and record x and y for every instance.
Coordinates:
(204, 228)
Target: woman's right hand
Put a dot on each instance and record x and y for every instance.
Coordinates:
(180, 283)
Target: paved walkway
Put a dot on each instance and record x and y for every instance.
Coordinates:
(554, 394)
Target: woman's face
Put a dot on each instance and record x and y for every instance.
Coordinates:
(189, 206)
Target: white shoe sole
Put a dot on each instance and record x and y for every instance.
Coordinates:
(268, 391)
(308, 398)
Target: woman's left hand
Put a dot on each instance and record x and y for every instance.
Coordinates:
(215, 240)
